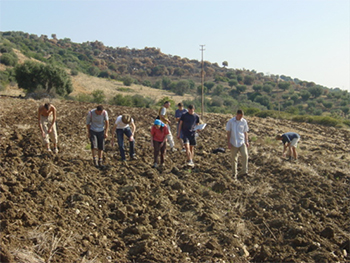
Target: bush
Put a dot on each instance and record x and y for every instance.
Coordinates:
(327, 121)
(9, 59)
(74, 72)
(98, 96)
(251, 111)
(127, 81)
(248, 80)
(84, 98)
(147, 83)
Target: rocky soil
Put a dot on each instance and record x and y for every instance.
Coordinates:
(59, 208)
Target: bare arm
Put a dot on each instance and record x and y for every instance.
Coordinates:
(39, 122)
(54, 118)
(113, 133)
(179, 130)
(228, 135)
(106, 128)
(246, 139)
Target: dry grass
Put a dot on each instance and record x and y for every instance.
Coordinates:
(46, 244)
(84, 84)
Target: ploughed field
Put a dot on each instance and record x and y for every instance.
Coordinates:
(59, 208)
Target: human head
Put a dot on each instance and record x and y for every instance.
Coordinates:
(180, 105)
(166, 104)
(99, 109)
(191, 109)
(278, 137)
(158, 123)
(126, 118)
(239, 115)
(47, 106)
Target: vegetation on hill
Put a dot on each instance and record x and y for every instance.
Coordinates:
(225, 88)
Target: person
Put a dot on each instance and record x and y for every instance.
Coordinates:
(121, 127)
(237, 141)
(97, 131)
(178, 114)
(163, 116)
(290, 141)
(47, 124)
(188, 122)
(159, 135)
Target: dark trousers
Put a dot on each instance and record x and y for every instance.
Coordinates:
(120, 137)
(157, 150)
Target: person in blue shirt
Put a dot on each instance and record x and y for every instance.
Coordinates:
(178, 114)
(290, 142)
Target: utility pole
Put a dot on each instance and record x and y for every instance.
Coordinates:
(202, 80)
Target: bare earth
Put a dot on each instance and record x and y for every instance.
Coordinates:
(59, 208)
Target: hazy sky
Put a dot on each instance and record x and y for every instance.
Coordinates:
(304, 39)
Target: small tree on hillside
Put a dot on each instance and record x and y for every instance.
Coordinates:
(225, 64)
(232, 82)
(248, 80)
(284, 85)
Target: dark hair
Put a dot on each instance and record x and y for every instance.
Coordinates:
(167, 102)
(180, 104)
(240, 112)
(99, 108)
(191, 107)
(47, 106)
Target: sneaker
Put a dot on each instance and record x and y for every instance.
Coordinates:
(95, 163)
(162, 164)
(173, 149)
(100, 164)
(55, 150)
(183, 150)
(155, 165)
(190, 163)
(134, 157)
(49, 150)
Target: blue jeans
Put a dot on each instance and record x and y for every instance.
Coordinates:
(120, 137)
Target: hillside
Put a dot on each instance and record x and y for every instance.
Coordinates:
(61, 209)
(225, 88)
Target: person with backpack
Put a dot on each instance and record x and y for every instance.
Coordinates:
(125, 125)
(97, 131)
(159, 134)
(178, 113)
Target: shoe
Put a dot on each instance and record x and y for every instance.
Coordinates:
(155, 165)
(49, 150)
(173, 149)
(183, 150)
(190, 163)
(55, 150)
(134, 158)
(96, 163)
(162, 164)
(100, 164)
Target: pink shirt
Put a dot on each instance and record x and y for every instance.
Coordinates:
(158, 134)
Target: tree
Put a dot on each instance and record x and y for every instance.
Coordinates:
(267, 88)
(248, 80)
(315, 91)
(305, 95)
(263, 100)
(241, 88)
(257, 88)
(284, 85)
(218, 90)
(182, 87)
(232, 82)
(209, 85)
(225, 64)
(31, 76)
(166, 83)
(93, 71)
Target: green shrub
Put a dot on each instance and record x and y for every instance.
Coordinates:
(74, 72)
(9, 59)
(98, 96)
(84, 97)
(327, 121)
(251, 111)
(127, 81)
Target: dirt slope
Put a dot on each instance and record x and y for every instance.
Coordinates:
(62, 209)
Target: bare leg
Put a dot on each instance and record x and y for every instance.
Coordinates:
(191, 152)
(188, 151)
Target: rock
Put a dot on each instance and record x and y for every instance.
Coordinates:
(328, 232)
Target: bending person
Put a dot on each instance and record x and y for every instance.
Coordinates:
(47, 125)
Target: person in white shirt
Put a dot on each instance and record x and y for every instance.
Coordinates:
(121, 127)
(237, 141)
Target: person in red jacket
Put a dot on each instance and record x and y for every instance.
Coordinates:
(159, 133)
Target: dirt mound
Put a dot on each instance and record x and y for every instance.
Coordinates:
(59, 208)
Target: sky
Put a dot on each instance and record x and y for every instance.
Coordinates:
(304, 39)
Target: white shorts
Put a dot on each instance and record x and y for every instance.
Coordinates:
(294, 142)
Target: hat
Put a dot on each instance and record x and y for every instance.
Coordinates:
(158, 122)
(126, 118)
